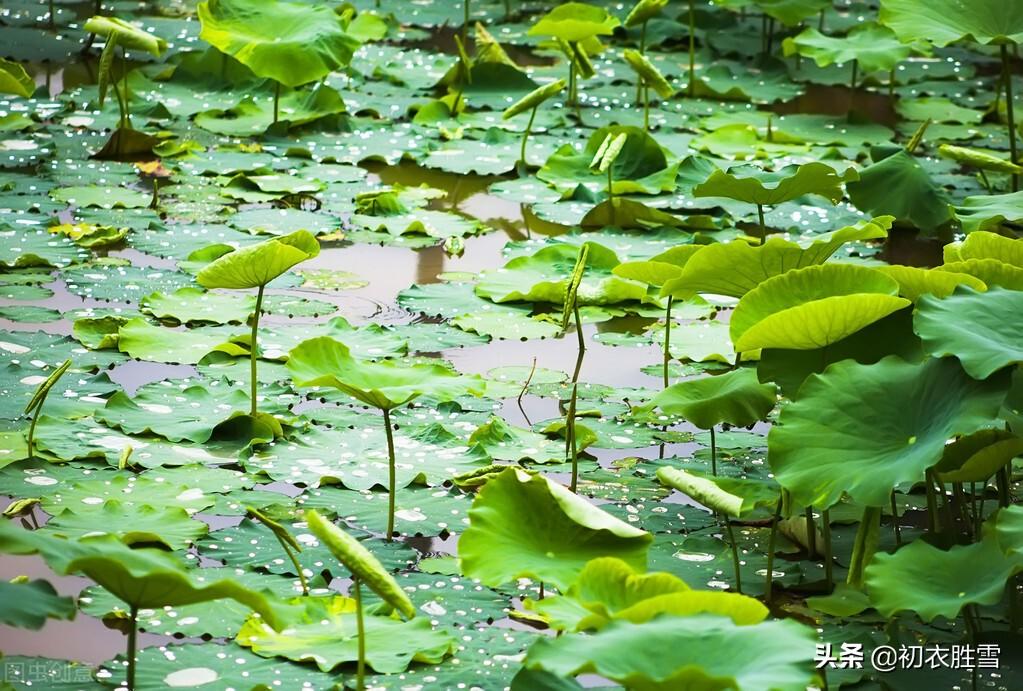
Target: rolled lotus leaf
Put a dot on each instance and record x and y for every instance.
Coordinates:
(15, 80)
(979, 159)
(644, 11)
(127, 35)
(534, 98)
(648, 73)
(361, 562)
(257, 265)
(608, 151)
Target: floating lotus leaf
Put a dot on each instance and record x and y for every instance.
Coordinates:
(28, 604)
(734, 268)
(172, 412)
(523, 525)
(981, 329)
(757, 186)
(946, 21)
(361, 563)
(862, 430)
(256, 265)
(813, 307)
(871, 45)
(291, 43)
(169, 526)
(702, 651)
(737, 398)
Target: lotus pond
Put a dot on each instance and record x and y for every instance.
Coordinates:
(511, 345)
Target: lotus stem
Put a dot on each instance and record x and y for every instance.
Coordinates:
(133, 632)
(735, 555)
(763, 224)
(525, 135)
(932, 504)
(820, 22)
(770, 35)
(571, 448)
(642, 51)
(713, 453)
(391, 479)
(891, 83)
(579, 328)
(465, 21)
(692, 51)
(126, 113)
(610, 190)
(277, 101)
(35, 404)
(1007, 78)
(571, 82)
(53, 20)
(855, 73)
(525, 384)
(254, 351)
(30, 441)
(895, 522)
(646, 110)
(667, 340)
(360, 674)
(1003, 480)
(769, 578)
(864, 546)
(507, 9)
(154, 203)
(829, 575)
(811, 533)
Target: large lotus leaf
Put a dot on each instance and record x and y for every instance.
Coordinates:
(991, 272)
(110, 197)
(933, 583)
(730, 496)
(14, 79)
(291, 43)
(144, 341)
(899, 185)
(575, 21)
(946, 21)
(504, 442)
(873, 46)
(134, 490)
(983, 330)
(757, 186)
(734, 268)
(361, 563)
(28, 604)
(544, 277)
(641, 167)
(250, 117)
(328, 638)
(190, 305)
(695, 652)
(813, 307)
(140, 577)
(977, 457)
(173, 412)
(523, 525)
(169, 526)
(256, 265)
(989, 211)
(737, 398)
(386, 384)
(864, 429)
(915, 282)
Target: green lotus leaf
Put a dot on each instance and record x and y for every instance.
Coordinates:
(361, 563)
(574, 22)
(729, 496)
(788, 12)
(523, 525)
(291, 43)
(327, 637)
(1009, 529)
(899, 185)
(651, 272)
(737, 398)
(169, 526)
(648, 73)
(915, 282)
(15, 80)
(981, 160)
(946, 21)
(641, 167)
(621, 212)
(254, 266)
(986, 245)
(702, 651)
(754, 185)
(864, 429)
(991, 272)
(734, 268)
(981, 329)
(813, 307)
(141, 577)
(385, 385)
(989, 211)
(978, 456)
(174, 413)
(544, 276)
(534, 98)
(872, 46)
(643, 11)
(251, 117)
(126, 34)
(504, 442)
(144, 341)
(190, 305)
(933, 583)
(82, 196)
(28, 604)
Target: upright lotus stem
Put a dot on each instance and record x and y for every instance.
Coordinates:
(125, 113)
(133, 633)
(571, 448)
(769, 578)
(392, 480)
(525, 135)
(692, 51)
(277, 101)
(855, 73)
(713, 453)
(1007, 79)
(642, 50)
(465, 21)
(254, 350)
(610, 189)
(763, 224)
(895, 522)
(35, 404)
(571, 82)
(735, 554)
(360, 627)
(811, 533)
(829, 575)
(53, 14)
(667, 340)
